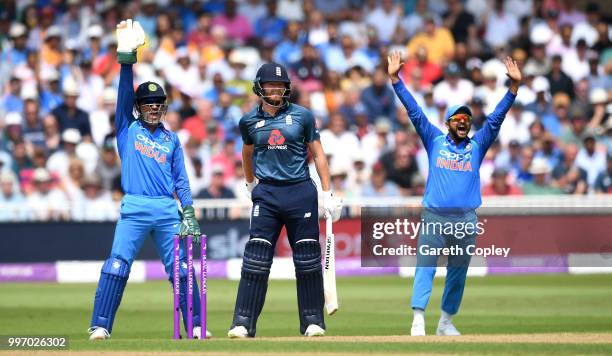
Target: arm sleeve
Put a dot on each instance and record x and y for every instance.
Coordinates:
(310, 130)
(179, 175)
(488, 133)
(244, 132)
(424, 128)
(125, 104)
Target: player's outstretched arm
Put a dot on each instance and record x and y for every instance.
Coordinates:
(130, 36)
(490, 129)
(424, 128)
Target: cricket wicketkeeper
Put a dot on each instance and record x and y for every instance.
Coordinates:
(452, 193)
(277, 135)
(152, 171)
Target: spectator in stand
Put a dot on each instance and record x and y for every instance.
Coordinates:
(270, 28)
(378, 98)
(309, 70)
(32, 129)
(217, 188)
(236, 26)
(59, 161)
(94, 203)
(385, 19)
(576, 62)
(500, 184)
(11, 200)
(16, 53)
(559, 81)
(47, 203)
(549, 150)
(196, 125)
(338, 142)
(11, 101)
(68, 115)
(461, 23)
(540, 185)
(253, 10)
(109, 167)
(71, 183)
(453, 90)
(415, 21)
(438, 41)
(566, 176)
(378, 186)
(430, 71)
(591, 160)
(400, 167)
(603, 183)
(52, 134)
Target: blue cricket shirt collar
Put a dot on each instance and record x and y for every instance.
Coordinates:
(461, 144)
(280, 111)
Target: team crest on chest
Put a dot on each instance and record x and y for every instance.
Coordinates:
(288, 120)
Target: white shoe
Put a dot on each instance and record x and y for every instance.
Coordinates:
(98, 333)
(314, 330)
(238, 332)
(197, 331)
(447, 329)
(418, 329)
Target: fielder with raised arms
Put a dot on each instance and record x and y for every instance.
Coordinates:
(277, 136)
(452, 192)
(152, 171)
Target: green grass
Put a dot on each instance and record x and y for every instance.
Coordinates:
(369, 306)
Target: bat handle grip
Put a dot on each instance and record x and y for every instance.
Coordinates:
(328, 225)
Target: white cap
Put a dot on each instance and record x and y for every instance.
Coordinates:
(41, 175)
(217, 168)
(539, 166)
(182, 52)
(109, 95)
(71, 136)
(49, 74)
(598, 96)
(17, 29)
(29, 92)
(13, 118)
(7, 177)
(70, 87)
(489, 70)
(540, 84)
(541, 34)
(53, 31)
(95, 31)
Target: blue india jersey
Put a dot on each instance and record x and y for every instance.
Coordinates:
(454, 179)
(152, 164)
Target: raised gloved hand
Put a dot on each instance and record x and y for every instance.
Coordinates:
(130, 36)
(332, 205)
(250, 186)
(189, 224)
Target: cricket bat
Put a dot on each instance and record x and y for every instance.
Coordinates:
(329, 270)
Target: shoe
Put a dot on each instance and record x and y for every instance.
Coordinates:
(238, 332)
(314, 330)
(98, 333)
(418, 329)
(197, 331)
(447, 329)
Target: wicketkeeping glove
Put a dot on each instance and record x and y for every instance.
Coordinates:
(189, 224)
(130, 36)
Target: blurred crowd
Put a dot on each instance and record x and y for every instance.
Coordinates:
(59, 76)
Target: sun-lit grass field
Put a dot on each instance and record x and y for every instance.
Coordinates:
(372, 310)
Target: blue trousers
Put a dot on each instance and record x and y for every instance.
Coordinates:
(143, 216)
(457, 264)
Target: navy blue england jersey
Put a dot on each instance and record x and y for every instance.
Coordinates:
(281, 142)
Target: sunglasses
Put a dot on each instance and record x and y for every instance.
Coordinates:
(461, 118)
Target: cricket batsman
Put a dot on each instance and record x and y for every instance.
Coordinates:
(277, 136)
(152, 171)
(452, 192)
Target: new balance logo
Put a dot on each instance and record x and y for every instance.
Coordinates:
(307, 215)
(260, 124)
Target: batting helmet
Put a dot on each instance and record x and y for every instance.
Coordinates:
(151, 96)
(271, 72)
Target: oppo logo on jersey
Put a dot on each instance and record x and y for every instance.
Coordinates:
(454, 161)
(148, 141)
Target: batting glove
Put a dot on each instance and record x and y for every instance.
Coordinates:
(332, 206)
(250, 186)
(189, 224)
(130, 36)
